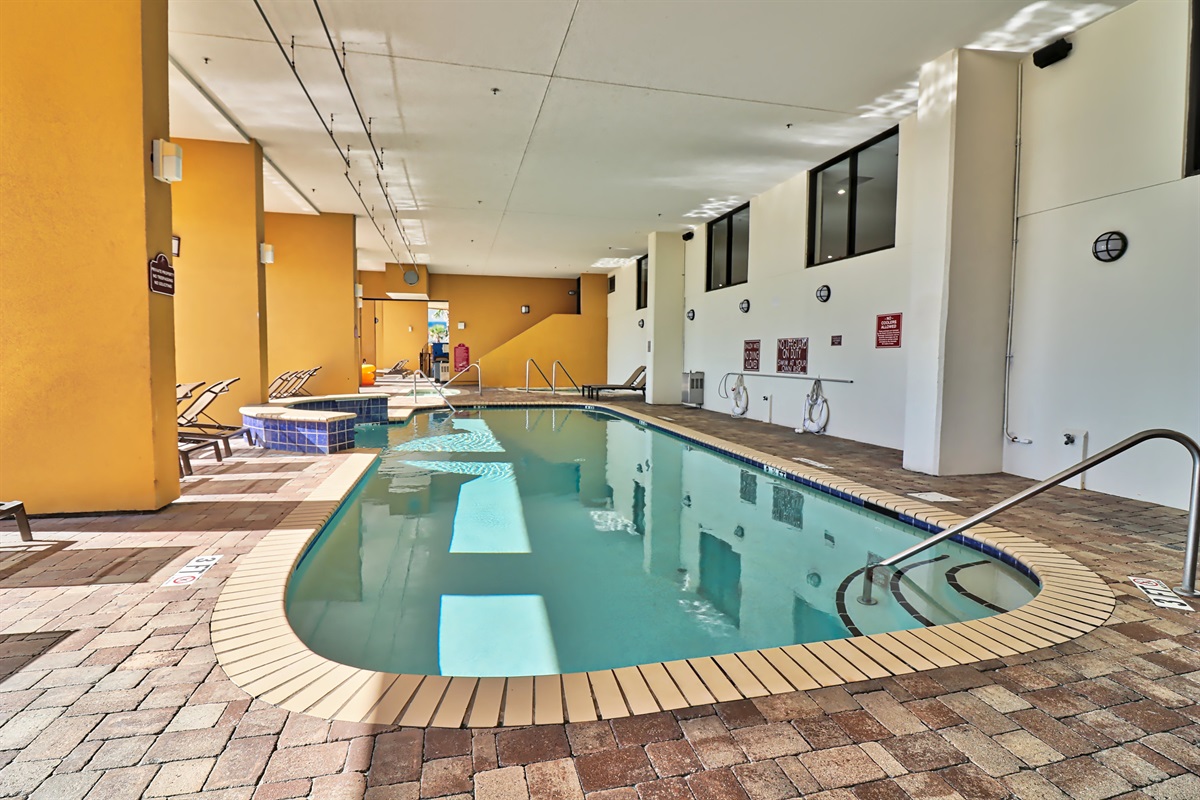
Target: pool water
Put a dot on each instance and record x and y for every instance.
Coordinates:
(507, 542)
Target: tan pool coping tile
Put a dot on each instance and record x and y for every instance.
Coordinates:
(281, 669)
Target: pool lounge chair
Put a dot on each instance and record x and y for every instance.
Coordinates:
(195, 424)
(636, 382)
(183, 391)
(189, 446)
(278, 384)
(292, 384)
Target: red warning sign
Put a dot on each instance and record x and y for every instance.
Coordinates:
(791, 356)
(887, 330)
(462, 357)
(751, 355)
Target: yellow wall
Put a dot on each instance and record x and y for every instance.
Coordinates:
(377, 285)
(393, 340)
(220, 287)
(491, 306)
(311, 312)
(579, 341)
(86, 351)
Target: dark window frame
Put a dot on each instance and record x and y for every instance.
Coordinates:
(726, 218)
(851, 156)
(643, 281)
(1191, 164)
(612, 283)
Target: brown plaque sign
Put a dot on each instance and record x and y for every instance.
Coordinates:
(751, 355)
(791, 356)
(162, 276)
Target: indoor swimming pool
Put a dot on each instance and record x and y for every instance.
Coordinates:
(513, 542)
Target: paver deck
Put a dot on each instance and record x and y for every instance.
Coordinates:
(110, 688)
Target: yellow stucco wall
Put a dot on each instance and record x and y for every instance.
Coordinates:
(84, 346)
(220, 295)
(579, 341)
(491, 306)
(310, 299)
(377, 285)
(393, 339)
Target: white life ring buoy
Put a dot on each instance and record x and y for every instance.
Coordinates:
(816, 411)
(741, 398)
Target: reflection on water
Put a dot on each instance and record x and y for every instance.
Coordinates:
(509, 542)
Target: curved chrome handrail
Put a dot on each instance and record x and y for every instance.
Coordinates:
(426, 378)
(478, 374)
(554, 377)
(1188, 587)
(539, 369)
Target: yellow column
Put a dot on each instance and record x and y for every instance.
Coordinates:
(311, 313)
(220, 286)
(87, 367)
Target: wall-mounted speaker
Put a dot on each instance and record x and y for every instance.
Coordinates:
(1051, 53)
(687, 237)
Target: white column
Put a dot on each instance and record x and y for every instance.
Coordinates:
(664, 319)
(955, 328)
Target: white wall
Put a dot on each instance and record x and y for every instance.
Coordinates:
(626, 341)
(783, 304)
(1109, 348)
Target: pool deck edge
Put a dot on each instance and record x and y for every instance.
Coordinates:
(260, 653)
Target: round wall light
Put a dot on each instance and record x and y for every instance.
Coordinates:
(1109, 246)
(824, 293)
(744, 306)
(691, 313)
(641, 323)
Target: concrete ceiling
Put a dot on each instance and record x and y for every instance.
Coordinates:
(542, 137)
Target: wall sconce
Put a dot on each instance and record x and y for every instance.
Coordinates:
(1109, 246)
(175, 244)
(824, 293)
(744, 306)
(166, 161)
(266, 253)
(462, 326)
(524, 309)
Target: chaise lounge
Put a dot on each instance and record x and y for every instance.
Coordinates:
(636, 382)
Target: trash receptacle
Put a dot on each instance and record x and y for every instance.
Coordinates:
(368, 375)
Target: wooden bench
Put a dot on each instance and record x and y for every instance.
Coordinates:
(15, 508)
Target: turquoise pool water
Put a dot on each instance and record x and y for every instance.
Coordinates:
(509, 542)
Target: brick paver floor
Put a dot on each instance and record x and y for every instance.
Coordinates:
(109, 688)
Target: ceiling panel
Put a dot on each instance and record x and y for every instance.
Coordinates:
(825, 54)
(656, 107)
(675, 151)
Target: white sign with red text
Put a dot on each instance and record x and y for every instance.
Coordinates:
(1160, 594)
(190, 572)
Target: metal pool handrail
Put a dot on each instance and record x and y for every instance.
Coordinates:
(539, 369)
(1188, 588)
(478, 374)
(417, 372)
(554, 377)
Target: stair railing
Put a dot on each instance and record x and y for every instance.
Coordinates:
(417, 373)
(1188, 587)
(539, 369)
(554, 377)
(478, 374)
